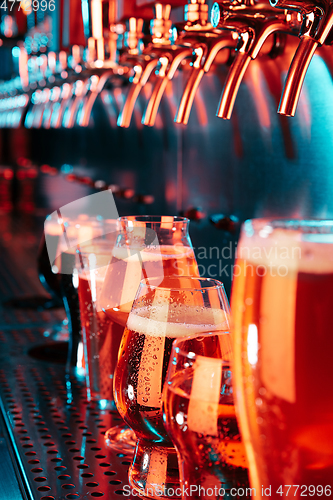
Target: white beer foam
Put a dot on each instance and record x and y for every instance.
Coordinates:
(151, 254)
(308, 253)
(146, 321)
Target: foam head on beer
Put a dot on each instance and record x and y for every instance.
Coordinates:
(140, 255)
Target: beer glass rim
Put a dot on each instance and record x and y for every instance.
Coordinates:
(310, 225)
(215, 284)
(154, 219)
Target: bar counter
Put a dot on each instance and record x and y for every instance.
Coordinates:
(54, 437)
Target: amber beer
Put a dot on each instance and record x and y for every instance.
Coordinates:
(129, 266)
(143, 362)
(101, 342)
(282, 310)
(210, 448)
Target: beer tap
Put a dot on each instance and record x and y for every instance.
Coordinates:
(317, 21)
(209, 44)
(254, 23)
(170, 57)
(143, 65)
(205, 42)
(102, 54)
(148, 59)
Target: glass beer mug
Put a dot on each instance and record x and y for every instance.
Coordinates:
(282, 302)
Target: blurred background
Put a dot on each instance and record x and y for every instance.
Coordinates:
(77, 79)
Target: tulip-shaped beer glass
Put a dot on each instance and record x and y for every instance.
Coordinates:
(282, 302)
(198, 404)
(164, 309)
(147, 246)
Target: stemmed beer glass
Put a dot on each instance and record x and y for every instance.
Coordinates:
(147, 246)
(282, 302)
(164, 309)
(198, 406)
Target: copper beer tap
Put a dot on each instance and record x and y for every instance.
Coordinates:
(196, 39)
(317, 21)
(102, 55)
(171, 56)
(145, 62)
(206, 53)
(254, 23)
(207, 45)
(143, 65)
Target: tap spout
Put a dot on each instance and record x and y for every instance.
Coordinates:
(296, 75)
(142, 73)
(232, 84)
(187, 99)
(169, 65)
(210, 50)
(96, 87)
(316, 27)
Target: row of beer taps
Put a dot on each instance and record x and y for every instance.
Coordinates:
(235, 32)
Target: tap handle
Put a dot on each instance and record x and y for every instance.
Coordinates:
(296, 74)
(160, 26)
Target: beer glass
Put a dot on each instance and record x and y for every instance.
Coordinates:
(50, 277)
(282, 303)
(76, 232)
(64, 235)
(101, 336)
(199, 412)
(163, 310)
(147, 246)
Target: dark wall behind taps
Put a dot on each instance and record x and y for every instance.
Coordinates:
(257, 164)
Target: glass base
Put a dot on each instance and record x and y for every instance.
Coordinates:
(121, 438)
(154, 472)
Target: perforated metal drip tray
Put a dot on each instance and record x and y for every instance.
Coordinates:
(57, 444)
